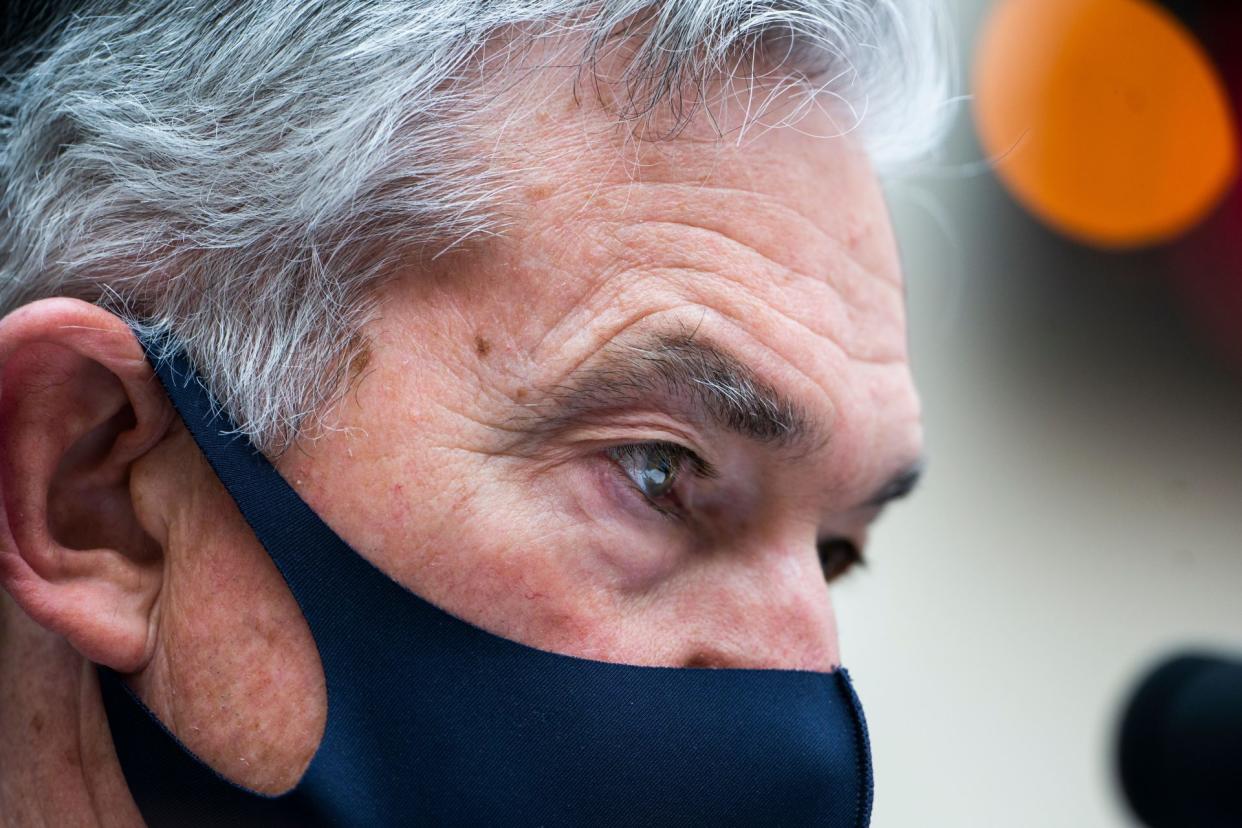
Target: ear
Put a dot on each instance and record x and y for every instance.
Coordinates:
(79, 405)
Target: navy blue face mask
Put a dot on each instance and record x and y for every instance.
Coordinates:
(433, 721)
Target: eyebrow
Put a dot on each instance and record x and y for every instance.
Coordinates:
(711, 383)
(898, 486)
(715, 385)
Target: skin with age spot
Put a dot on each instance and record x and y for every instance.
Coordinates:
(453, 465)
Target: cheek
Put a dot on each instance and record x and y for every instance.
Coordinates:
(549, 561)
(528, 566)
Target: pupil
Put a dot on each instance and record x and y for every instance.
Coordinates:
(657, 476)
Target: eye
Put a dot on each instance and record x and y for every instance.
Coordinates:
(837, 556)
(655, 468)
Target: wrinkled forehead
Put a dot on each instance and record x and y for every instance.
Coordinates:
(790, 213)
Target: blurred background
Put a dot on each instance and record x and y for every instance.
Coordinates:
(1081, 516)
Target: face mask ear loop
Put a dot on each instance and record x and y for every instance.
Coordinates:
(311, 557)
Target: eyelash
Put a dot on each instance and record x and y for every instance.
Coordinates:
(838, 556)
(678, 457)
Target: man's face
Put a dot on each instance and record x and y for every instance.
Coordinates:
(627, 429)
(638, 428)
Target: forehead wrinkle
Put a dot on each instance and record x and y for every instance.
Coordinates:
(844, 278)
(742, 311)
(783, 254)
(854, 301)
(711, 209)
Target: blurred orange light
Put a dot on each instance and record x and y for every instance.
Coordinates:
(1104, 117)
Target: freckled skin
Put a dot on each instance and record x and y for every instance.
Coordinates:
(778, 250)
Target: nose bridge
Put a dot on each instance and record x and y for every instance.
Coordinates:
(775, 611)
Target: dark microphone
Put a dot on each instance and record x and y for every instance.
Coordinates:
(1180, 747)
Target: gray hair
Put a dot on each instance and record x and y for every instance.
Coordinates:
(238, 177)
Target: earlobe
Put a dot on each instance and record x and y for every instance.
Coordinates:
(79, 406)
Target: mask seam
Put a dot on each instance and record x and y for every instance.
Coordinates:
(862, 753)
